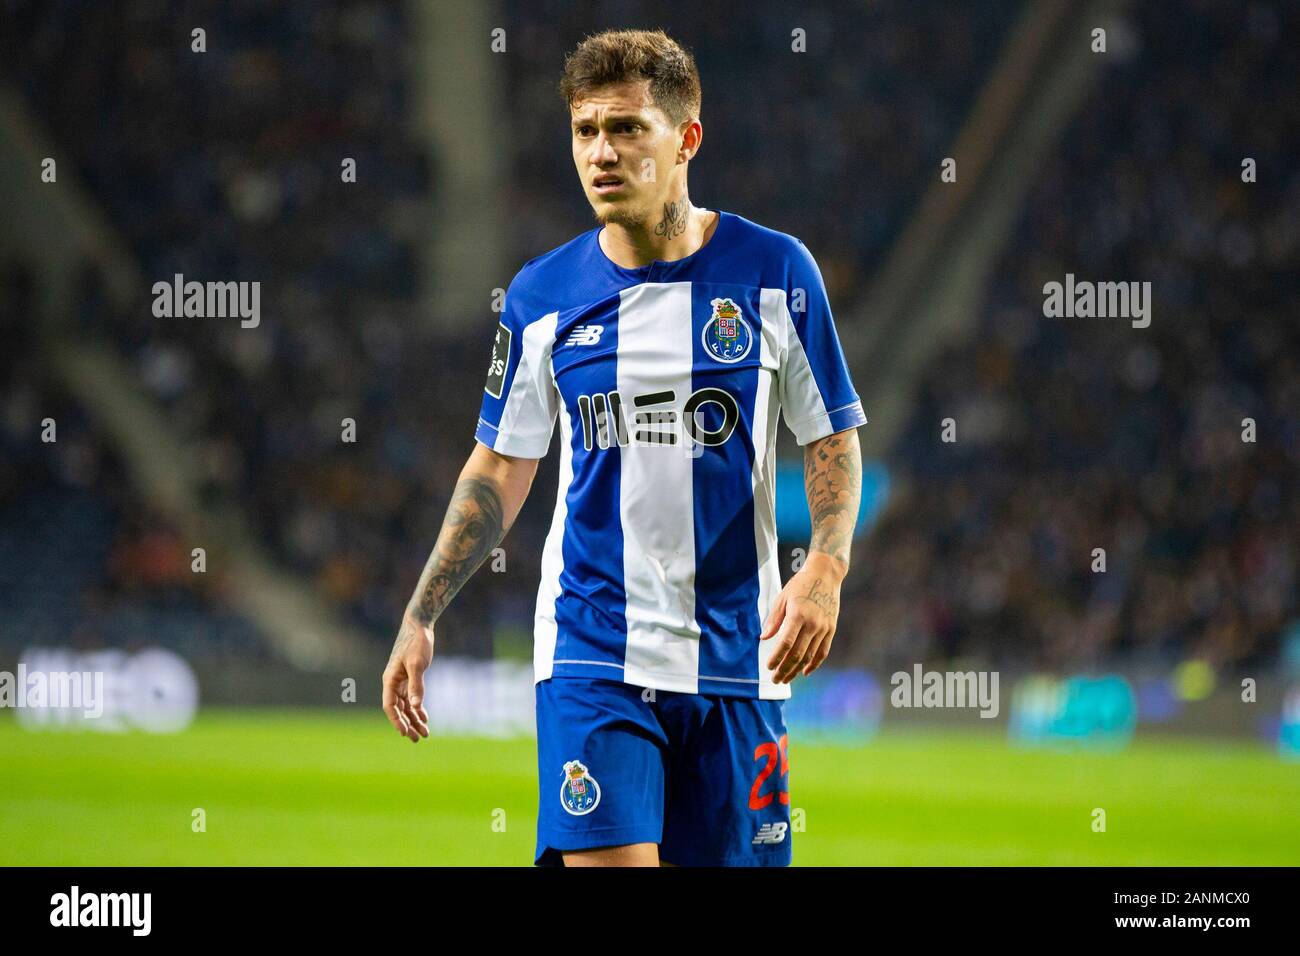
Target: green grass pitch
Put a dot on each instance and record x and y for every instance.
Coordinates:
(328, 788)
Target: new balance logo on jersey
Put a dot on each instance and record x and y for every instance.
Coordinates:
(605, 420)
(585, 335)
(770, 833)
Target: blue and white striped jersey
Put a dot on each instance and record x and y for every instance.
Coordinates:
(661, 564)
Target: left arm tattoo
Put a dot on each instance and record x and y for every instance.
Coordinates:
(832, 474)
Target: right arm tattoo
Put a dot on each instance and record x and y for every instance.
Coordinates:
(474, 525)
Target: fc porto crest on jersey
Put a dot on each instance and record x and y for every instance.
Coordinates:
(579, 792)
(727, 336)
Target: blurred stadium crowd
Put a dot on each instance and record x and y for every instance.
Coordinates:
(84, 562)
(854, 127)
(1074, 434)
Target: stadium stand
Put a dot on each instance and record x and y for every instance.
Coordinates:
(1074, 434)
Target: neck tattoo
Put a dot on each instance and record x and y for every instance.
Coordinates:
(674, 222)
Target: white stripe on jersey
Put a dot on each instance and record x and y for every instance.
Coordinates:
(656, 493)
(548, 590)
(774, 329)
(799, 387)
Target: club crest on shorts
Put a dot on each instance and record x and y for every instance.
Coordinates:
(727, 336)
(579, 792)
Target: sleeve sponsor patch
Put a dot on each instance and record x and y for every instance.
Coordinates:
(496, 376)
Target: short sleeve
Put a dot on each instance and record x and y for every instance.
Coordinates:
(520, 403)
(816, 393)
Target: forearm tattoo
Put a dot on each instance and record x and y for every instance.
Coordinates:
(674, 222)
(833, 481)
(474, 525)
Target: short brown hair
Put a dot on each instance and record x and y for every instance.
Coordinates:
(616, 56)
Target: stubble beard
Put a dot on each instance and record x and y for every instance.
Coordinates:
(617, 214)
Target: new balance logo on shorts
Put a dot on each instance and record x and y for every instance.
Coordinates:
(770, 833)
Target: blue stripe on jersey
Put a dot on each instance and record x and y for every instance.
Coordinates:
(820, 342)
(726, 559)
(590, 613)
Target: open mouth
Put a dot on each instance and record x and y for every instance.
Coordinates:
(606, 183)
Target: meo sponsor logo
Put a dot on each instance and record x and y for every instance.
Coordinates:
(654, 420)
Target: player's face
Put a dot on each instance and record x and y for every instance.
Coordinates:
(625, 149)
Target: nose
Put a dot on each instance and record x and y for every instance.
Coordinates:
(602, 152)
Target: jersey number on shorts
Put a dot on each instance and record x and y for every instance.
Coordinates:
(771, 751)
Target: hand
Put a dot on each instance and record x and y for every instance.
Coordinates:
(404, 679)
(805, 612)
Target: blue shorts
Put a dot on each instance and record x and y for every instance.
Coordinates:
(704, 776)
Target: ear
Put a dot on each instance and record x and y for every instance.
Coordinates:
(692, 134)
